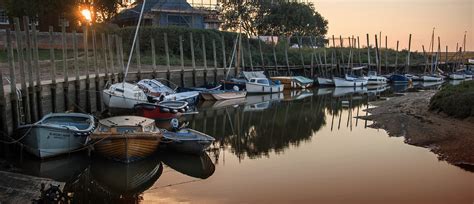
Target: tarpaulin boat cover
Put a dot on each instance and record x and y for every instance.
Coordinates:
(249, 75)
(303, 80)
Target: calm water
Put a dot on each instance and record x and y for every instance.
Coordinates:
(304, 147)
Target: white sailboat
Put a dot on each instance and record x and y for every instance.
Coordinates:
(373, 79)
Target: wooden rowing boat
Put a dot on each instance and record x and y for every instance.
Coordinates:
(126, 138)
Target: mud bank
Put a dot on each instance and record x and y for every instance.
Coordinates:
(408, 116)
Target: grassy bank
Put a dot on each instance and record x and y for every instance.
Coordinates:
(456, 101)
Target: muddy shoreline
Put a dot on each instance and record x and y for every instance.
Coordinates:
(408, 116)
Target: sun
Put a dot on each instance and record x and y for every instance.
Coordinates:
(87, 14)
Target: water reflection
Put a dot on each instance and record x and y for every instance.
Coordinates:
(197, 166)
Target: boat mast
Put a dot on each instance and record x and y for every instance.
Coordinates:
(134, 41)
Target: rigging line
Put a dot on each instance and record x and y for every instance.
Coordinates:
(134, 41)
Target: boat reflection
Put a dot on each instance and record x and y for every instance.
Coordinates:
(116, 181)
(221, 104)
(64, 168)
(343, 91)
(400, 88)
(296, 94)
(377, 89)
(197, 166)
(324, 91)
(261, 102)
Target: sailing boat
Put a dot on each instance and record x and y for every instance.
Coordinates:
(432, 77)
(123, 94)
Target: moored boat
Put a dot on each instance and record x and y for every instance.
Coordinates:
(123, 95)
(187, 140)
(223, 95)
(349, 82)
(431, 78)
(294, 82)
(263, 85)
(55, 134)
(399, 79)
(457, 76)
(373, 79)
(325, 81)
(126, 138)
(157, 91)
(162, 110)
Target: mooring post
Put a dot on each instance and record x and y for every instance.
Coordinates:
(214, 55)
(300, 43)
(396, 56)
(408, 55)
(77, 82)
(377, 56)
(65, 68)
(104, 55)
(181, 54)
(368, 52)
(250, 53)
(85, 37)
(241, 56)
(224, 60)
(139, 61)
(358, 50)
(111, 56)
(386, 55)
(3, 109)
(13, 91)
(53, 67)
(261, 54)
(204, 57)
(153, 57)
(39, 106)
(287, 45)
(98, 103)
(167, 52)
(31, 84)
(193, 60)
(25, 98)
(274, 54)
(120, 71)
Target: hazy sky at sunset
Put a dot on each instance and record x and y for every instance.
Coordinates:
(398, 18)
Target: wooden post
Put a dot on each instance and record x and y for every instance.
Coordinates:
(250, 54)
(13, 91)
(153, 57)
(31, 83)
(181, 54)
(408, 55)
(39, 106)
(204, 57)
(274, 54)
(300, 43)
(65, 65)
(3, 102)
(191, 42)
(98, 103)
(368, 52)
(139, 61)
(446, 60)
(214, 56)
(241, 56)
(53, 67)
(168, 72)
(77, 82)
(396, 56)
(111, 56)
(85, 37)
(104, 54)
(261, 53)
(286, 55)
(377, 56)
(120, 71)
(21, 60)
(358, 50)
(224, 59)
(386, 55)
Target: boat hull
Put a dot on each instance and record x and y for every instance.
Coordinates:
(292, 83)
(259, 88)
(325, 81)
(207, 96)
(227, 95)
(431, 78)
(376, 80)
(457, 76)
(340, 82)
(112, 100)
(44, 142)
(190, 142)
(399, 79)
(126, 148)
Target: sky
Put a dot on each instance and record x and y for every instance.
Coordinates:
(398, 18)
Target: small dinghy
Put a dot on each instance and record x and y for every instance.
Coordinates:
(373, 79)
(325, 81)
(162, 110)
(349, 81)
(157, 91)
(126, 138)
(399, 79)
(294, 82)
(223, 94)
(56, 133)
(186, 140)
(200, 88)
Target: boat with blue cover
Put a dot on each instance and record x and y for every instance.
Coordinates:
(55, 134)
(399, 79)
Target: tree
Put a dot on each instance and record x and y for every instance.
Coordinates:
(106, 9)
(292, 18)
(242, 15)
